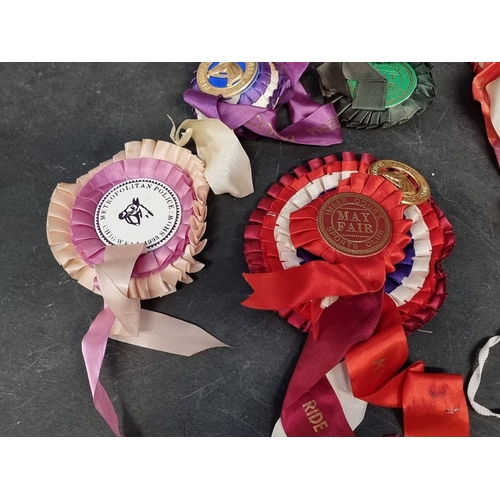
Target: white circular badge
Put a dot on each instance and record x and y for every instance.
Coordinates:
(138, 211)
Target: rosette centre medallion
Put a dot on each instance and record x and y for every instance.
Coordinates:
(354, 224)
(137, 211)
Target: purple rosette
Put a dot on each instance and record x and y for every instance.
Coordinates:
(263, 92)
(253, 112)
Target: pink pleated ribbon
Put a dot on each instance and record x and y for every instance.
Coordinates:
(123, 319)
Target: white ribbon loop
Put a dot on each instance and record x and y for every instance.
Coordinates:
(475, 380)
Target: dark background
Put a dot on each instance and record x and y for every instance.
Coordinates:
(57, 121)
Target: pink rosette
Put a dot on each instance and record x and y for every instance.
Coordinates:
(89, 232)
(75, 242)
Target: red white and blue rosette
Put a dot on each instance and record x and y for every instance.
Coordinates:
(417, 285)
(356, 345)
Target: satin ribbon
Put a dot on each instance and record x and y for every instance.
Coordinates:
(354, 409)
(366, 328)
(310, 122)
(368, 331)
(310, 395)
(486, 90)
(123, 319)
(433, 403)
(227, 167)
(317, 279)
(371, 86)
(311, 406)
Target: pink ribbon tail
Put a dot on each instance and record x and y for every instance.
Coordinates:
(123, 319)
(93, 348)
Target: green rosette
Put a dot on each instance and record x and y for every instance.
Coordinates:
(372, 95)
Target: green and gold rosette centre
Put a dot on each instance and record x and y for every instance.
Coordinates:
(377, 94)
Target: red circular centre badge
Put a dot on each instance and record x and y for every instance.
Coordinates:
(354, 224)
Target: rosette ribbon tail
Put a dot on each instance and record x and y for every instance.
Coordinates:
(227, 167)
(123, 319)
(366, 331)
(311, 281)
(433, 404)
(312, 406)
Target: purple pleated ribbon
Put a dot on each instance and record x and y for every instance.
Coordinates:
(310, 123)
(403, 269)
(256, 90)
(83, 233)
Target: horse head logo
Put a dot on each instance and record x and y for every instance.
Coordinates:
(133, 213)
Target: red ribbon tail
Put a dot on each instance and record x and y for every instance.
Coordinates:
(433, 403)
(314, 280)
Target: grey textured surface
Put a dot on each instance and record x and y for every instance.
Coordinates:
(57, 121)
